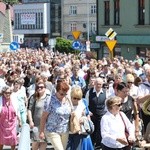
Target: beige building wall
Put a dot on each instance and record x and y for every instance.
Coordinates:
(81, 18)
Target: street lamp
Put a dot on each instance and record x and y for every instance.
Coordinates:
(88, 19)
(88, 30)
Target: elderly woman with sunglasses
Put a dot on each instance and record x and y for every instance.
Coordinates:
(35, 108)
(9, 115)
(78, 140)
(113, 126)
(56, 118)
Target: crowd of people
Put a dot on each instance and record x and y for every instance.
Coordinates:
(44, 88)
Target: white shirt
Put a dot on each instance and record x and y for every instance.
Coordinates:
(97, 94)
(112, 127)
(79, 109)
(143, 90)
(133, 91)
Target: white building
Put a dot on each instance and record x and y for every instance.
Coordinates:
(78, 15)
(40, 21)
(32, 21)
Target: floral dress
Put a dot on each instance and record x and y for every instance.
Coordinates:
(8, 124)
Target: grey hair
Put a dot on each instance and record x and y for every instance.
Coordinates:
(5, 88)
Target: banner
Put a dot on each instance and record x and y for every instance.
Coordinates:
(28, 18)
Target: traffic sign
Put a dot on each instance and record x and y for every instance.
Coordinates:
(76, 34)
(76, 45)
(14, 46)
(111, 44)
(83, 47)
(1, 37)
(101, 38)
(111, 34)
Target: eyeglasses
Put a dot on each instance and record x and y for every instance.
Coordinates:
(119, 105)
(40, 87)
(130, 82)
(62, 94)
(76, 98)
(8, 93)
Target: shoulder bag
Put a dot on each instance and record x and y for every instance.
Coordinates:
(74, 125)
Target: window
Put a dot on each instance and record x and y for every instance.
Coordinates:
(73, 10)
(116, 12)
(107, 12)
(141, 12)
(93, 9)
(73, 27)
(93, 27)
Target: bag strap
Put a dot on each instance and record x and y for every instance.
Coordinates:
(86, 106)
(70, 102)
(126, 130)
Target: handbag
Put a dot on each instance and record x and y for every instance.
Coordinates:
(87, 127)
(74, 125)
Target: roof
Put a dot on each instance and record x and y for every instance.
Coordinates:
(3, 9)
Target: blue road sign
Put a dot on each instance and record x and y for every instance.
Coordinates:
(83, 47)
(14, 46)
(76, 45)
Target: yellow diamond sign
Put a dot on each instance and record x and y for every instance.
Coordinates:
(76, 34)
(111, 44)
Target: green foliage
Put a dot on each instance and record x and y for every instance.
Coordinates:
(64, 45)
(11, 2)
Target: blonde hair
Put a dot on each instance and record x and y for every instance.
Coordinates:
(130, 77)
(113, 101)
(76, 91)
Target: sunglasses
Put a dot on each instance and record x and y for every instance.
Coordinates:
(119, 105)
(76, 98)
(40, 87)
(8, 93)
(102, 77)
(130, 82)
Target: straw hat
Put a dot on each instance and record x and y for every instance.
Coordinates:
(146, 107)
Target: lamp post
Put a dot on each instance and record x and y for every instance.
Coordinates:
(88, 26)
(88, 19)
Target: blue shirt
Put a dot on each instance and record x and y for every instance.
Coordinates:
(78, 81)
(59, 114)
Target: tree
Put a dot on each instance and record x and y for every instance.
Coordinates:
(63, 45)
(11, 2)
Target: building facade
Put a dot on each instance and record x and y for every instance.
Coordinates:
(38, 21)
(79, 15)
(130, 19)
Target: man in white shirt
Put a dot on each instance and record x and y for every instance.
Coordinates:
(96, 98)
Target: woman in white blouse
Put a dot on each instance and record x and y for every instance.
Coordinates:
(113, 125)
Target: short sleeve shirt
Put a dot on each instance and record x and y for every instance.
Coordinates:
(59, 114)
